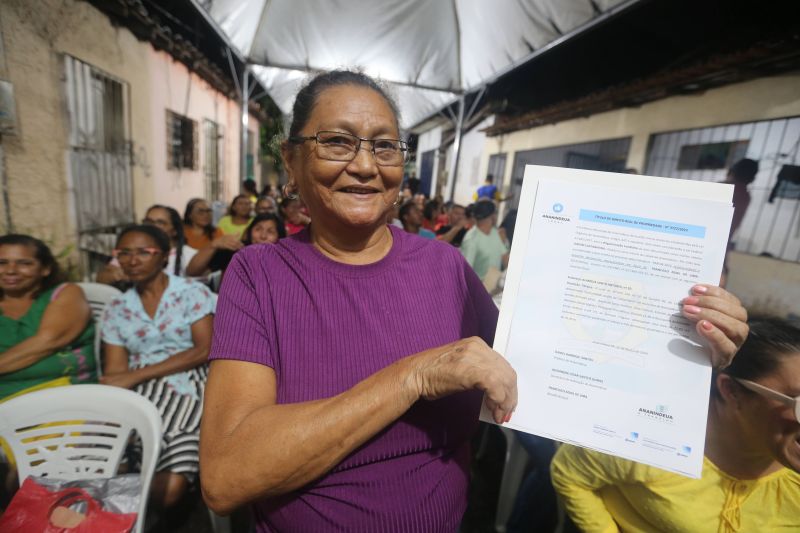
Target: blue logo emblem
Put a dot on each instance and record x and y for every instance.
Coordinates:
(687, 450)
(557, 208)
(634, 435)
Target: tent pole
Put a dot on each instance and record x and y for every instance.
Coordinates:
(451, 177)
(245, 100)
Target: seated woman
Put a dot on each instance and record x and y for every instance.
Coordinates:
(751, 469)
(156, 338)
(266, 204)
(46, 328)
(198, 231)
(238, 217)
(180, 257)
(265, 228)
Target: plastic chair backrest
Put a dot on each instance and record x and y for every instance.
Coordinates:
(98, 295)
(81, 432)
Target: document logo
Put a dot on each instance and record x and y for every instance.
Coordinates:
(659, 412)
(633, 437)
(686, 449)
(557, 208)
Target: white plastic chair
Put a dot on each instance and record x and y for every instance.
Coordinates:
(88, 428)
(98, 295)
(516, 462)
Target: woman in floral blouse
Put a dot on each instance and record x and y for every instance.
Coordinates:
(156, 338)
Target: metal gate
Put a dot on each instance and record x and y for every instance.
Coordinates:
(771, 225)
(99, 155)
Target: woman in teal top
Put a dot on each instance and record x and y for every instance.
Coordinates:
(46, 328)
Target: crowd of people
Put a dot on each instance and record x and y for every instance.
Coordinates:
(337, 342)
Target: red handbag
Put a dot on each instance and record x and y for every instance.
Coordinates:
(36, 509)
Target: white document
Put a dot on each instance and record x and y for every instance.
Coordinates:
(590, 318)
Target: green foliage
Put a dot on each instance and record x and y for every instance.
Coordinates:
(271, 133)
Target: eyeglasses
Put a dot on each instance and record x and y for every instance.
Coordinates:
(126, 254)
(203, 211)
(338, 146)
(773, 395)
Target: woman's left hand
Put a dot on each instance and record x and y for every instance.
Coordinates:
(720, 319)
(125, 380)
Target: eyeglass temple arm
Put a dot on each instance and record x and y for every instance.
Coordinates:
(766, 391)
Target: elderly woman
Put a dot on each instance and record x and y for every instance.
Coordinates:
(751, 469)
(338, 399)
(46, 328)
(156, 338)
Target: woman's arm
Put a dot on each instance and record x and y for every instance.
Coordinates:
(63, 321)
(289, 445)
(115, 359)
(199, 263)
(179, 362)
(451, 233)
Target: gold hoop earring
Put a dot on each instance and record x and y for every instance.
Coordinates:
(289, 195)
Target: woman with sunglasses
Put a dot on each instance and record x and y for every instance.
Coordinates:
(46, 327)
(156, 338)
(751, 469)
(350, 393)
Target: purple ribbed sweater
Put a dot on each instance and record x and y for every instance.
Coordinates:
(324, 326)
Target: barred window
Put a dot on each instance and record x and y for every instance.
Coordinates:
(181, 142)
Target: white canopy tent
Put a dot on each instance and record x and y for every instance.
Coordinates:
(430, 52)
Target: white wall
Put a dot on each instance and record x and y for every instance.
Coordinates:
(430, 140)
(469, 176)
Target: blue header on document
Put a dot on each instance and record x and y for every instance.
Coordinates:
(650, 224)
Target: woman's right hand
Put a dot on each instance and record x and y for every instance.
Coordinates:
(227, 242)
(464, 365)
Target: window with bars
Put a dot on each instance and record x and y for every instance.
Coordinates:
(181, 142)
(711, 155)
(212, 133)
(771, 224)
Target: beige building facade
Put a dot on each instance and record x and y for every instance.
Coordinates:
(105, 126)
(758, 119)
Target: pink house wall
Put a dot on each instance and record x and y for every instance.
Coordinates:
(173, 87)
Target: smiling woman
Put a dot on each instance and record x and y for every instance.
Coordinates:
(46, 330)
(349, 360)
(350, 397)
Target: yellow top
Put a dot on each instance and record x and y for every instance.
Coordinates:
(229, 228)
(603, 493)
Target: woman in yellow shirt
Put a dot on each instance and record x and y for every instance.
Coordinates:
(751, 469)
(238, 217)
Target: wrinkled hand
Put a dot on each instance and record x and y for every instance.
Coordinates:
(464, 365)
(125, 380)
(227, 242)
(720, 319)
